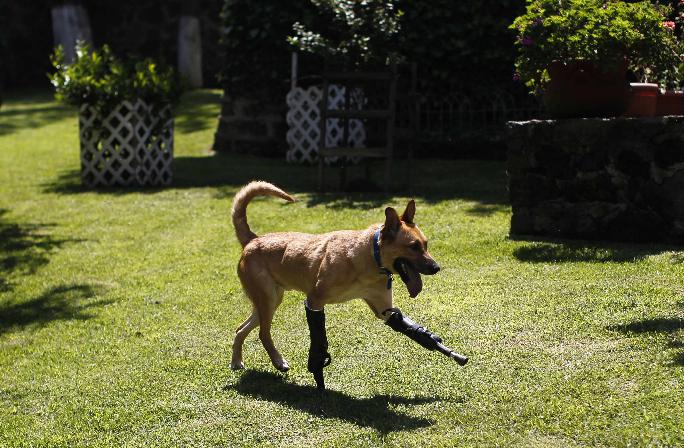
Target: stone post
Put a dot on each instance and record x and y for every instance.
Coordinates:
(70, 23)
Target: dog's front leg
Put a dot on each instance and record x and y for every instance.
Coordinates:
(406, 326)
(318, 350)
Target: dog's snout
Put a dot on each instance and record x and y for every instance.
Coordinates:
(432, 268)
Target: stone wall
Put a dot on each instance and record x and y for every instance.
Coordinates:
(251, 126)
(616, 179)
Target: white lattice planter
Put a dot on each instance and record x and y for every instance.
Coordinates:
(133, 145)
(303, 121)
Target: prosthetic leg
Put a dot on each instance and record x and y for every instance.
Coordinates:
(398, 322)
(318, 351)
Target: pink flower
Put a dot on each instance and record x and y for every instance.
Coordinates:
(526, 41)
(670, 25)
(516, 77)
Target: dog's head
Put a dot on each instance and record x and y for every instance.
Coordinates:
(404, 248)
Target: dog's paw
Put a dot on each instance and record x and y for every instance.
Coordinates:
(282, 365)
(237, 365)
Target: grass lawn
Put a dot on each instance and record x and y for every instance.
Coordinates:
(117, 312)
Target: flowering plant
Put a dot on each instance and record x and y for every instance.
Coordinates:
(606, 32)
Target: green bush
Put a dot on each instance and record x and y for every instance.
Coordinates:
(607, 32)
(462, 45)
(254, 39)
(350, 33)
(100, 79)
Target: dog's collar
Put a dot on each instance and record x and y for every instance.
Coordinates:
(376, 255)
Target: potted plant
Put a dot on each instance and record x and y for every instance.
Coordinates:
(125, 115)
(577, 52)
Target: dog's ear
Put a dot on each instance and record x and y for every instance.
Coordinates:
(392, 223)
(409, 213)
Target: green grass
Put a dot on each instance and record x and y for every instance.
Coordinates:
(117, 311)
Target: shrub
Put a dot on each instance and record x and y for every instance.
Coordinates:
(100, 79)
(464, 45)
(351, 33)
(606, 32)
(254, 39)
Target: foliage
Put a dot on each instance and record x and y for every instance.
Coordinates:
(607, 32)
(350, 32)
(460, 45)
(100, 79)
(675, 79)
(254, 39)
(455, 44)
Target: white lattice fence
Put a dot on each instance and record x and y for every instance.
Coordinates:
(303, 121)
(133, 145)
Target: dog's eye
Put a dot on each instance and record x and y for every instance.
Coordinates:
(417, 246)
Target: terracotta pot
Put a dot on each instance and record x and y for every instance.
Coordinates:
(643, 99)
(670, 103)
(581, 89)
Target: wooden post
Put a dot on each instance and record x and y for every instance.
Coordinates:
(345, 135)
(294, 69)
(414, 123)
(323, 112)
(392, 106)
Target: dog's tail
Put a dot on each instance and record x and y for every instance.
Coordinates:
(240, 202)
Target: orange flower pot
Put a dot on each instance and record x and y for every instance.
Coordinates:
(643, 99)
(581, 89)
(670, 103)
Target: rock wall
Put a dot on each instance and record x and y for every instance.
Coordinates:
(616, 179)
(251, 126)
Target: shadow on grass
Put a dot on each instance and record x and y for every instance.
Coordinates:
(24, 248)
(485, 210)
(668, 325)
(35, 111)
(198, 111)
(434, 181)
(372, 412)
(563, 251)
(63, 302)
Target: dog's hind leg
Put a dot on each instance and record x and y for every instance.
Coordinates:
(266, 296)
(244, 324)
(266, 309)
(240, 335)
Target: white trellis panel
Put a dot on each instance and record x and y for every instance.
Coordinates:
(133, 145)
(303, 117)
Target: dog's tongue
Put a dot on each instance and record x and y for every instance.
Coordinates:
(414, 283)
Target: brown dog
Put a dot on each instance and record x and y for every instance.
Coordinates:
(329, 268)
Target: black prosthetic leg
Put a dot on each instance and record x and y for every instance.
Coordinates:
(398, 322)
(318, 351)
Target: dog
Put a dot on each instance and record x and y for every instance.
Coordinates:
(329, 268)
